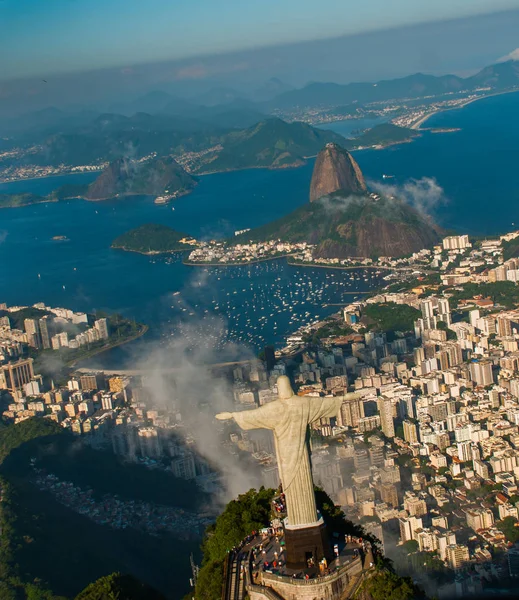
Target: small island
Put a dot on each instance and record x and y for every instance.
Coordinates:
(154, 239)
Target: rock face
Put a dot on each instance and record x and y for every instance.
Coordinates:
(386, 227)
(153, 177)
(335, 169)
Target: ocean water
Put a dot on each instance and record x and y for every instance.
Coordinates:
(476, 167)
(257, 304)
(349, 127)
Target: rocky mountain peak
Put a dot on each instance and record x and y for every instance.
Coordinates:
(335, 169)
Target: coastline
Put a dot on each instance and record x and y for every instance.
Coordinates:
(235, 264)
(290, 263)
(418, 124)
(2, 182)
(46, 201)
(339, 267)
(271, 168)
(151, 252)
(144, 329)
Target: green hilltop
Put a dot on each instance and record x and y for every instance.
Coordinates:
(152, 239)
(272, 143)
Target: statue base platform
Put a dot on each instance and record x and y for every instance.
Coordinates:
(307, 545)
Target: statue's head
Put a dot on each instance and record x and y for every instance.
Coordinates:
(284, 388)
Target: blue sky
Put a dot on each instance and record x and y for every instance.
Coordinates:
(42, 37)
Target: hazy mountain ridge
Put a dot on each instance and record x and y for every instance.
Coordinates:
(500, 76)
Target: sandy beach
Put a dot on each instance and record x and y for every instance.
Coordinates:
(418, 124)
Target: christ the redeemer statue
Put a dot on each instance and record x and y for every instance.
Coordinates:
(289, 418)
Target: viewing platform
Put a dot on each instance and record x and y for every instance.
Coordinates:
(259, 569)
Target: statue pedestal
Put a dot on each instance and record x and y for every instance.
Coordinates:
(306, 544)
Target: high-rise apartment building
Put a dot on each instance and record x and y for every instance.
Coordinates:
(410, 432)
(481, 372)
(45, 335)
(102, 327)
(32, 329)
(457, 555)
(14, 375)
(385, 408)
(456, 242)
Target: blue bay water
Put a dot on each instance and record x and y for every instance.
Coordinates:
(262, 303)
(476, 166)
(349, 127)
(254, 305)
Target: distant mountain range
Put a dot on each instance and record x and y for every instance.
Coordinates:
(343, 219)
(232, 135)
(498, 76)
(224, 107)
(270, 143)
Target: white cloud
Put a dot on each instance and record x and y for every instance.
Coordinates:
(514, 55)
(425, 194)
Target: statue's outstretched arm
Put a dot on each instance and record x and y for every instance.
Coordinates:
(328, 407)
(224, 416)
(264, 417)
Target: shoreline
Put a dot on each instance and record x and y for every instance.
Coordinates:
(152, 252)
(252, 167)
(340, 267)
(228, 264)
(291, 264)
(47, 176)
(144, 330)
(417, 125)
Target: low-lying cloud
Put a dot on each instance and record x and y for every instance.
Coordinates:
(424, 194)
(514, 55)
